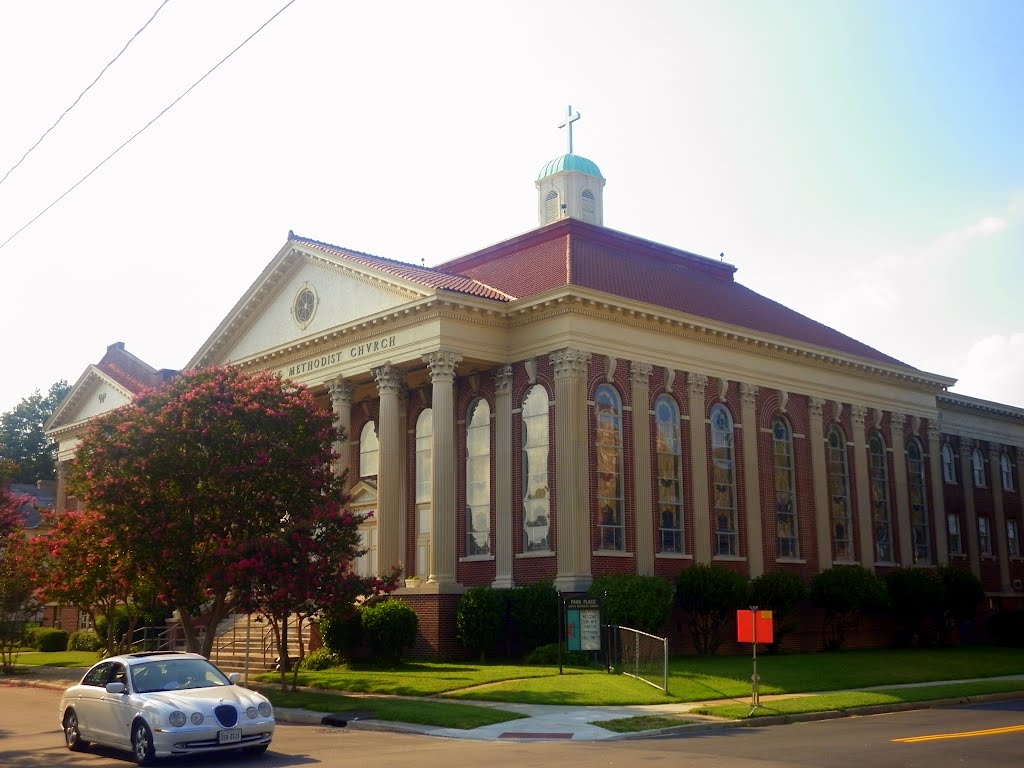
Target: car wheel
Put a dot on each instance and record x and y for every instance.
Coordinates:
(72, 736)
(142, 743)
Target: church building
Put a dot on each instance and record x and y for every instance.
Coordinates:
(576, 401)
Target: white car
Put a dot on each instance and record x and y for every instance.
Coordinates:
(162, 704)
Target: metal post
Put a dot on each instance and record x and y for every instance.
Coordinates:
(248, 634)
(561, 619)
(755, 697)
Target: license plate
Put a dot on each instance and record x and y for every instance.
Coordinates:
(229, 737)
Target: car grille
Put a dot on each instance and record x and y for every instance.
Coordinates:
(227, 715)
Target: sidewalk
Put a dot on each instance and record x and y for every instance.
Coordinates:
(552, 722)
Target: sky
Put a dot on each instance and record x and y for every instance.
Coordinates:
(859, 161)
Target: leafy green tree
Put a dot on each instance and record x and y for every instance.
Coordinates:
(710, 594)
(781, 593)
(629, 600)
(845, 593)
(205, 480)
(21, 435)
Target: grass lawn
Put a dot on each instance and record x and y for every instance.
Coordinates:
(852, 699)
(57, 659)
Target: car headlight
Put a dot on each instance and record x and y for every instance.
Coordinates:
(251, 713)
(197, 718)
(265, 709)
(177, 719)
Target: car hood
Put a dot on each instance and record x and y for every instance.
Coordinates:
(204, 699)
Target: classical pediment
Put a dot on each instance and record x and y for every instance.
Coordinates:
(94, 393)
(363, 494)
(304, 292)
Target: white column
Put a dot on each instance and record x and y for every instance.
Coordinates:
(341, 404)
(752, 479)
(503, 534)
(862, 477)
(696, 384)
(999, 513)
(970, 513)
(643, 506)
(572, 492)
(938, 499)
(899, 472)
(389, 497)
(819, 472)
(442, 540)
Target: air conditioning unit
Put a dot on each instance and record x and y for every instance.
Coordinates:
(1018, 585)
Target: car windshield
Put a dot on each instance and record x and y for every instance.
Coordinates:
(175, 675)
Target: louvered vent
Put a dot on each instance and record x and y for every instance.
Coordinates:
(551, 207)
(589, 207)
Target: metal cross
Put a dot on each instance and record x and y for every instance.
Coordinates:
(570, 118)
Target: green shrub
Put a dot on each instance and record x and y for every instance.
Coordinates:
(84, 640)
(629, 600)
(389, 626)
(532, 617)
(1007, 628)
(916, 601)
(844, 593)
(547, 655)
(321, 658)
(963, 593)
(480, 618)
(779, 592)
(31, 635)
(52, 640)
(342, 632)
(709, 595)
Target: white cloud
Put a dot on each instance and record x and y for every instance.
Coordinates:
(994, 369)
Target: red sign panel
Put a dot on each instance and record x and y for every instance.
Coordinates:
(754, 626)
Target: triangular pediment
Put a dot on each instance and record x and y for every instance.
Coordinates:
(304, 292)
(94, 393)
(363, 494)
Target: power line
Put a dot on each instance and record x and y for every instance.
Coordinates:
(147, 125)
(75, 102)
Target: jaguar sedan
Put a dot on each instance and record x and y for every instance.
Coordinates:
(162, 704)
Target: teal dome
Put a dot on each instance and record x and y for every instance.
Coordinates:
(570, 163)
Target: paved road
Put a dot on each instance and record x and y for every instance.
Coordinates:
(30, 738)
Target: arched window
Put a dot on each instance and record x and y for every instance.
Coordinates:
(724, 468)
(424, 490)
(589, 207)
(670, 473)
(369, 450)
(551, 209)
(536, 493)
(839, 497)
(611, 522)
(785, 489)
(881, 513)
(478, 478)
(918, 503)
(1006, 471)
(948, 464)
(978, 468)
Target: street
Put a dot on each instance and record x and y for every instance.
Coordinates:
(31, 738)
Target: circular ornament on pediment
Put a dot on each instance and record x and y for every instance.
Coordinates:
(305, 305)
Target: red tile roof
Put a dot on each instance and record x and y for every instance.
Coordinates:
(431, 278)
(571, 252)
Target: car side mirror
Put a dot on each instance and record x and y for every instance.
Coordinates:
(115, 688)
(234, 677)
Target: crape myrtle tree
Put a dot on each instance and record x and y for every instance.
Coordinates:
(78, 562)
(17, 589)
(207, 471)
